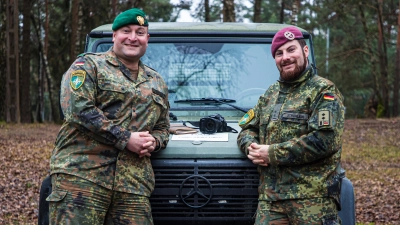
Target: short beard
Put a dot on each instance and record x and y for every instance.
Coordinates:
(294, 74)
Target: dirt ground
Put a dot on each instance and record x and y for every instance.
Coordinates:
(371, 158)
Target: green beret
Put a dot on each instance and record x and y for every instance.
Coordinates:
(131, 16)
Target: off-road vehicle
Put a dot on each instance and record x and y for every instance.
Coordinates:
(210, 69)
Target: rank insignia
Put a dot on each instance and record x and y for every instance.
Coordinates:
(247, 117)
(324, 118)
(77, 79)
(140, 20)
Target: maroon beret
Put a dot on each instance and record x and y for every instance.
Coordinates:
(284, 35)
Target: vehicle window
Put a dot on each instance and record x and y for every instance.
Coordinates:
(239, 71)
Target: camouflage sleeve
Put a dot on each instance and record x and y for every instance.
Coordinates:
(161, 128)
(250, 129)
(78, 91)
(326, 126)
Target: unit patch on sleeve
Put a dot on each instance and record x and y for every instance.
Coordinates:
(77, 79)
(247, 117)
(324, 118)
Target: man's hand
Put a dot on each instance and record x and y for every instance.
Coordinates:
(258, 154)
(141, 143)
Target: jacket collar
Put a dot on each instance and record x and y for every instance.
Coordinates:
(113, 60)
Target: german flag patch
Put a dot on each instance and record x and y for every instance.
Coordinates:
(329, 97)
(80, 62)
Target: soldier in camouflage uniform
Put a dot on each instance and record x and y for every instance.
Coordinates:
(116, 114)
(294, 135)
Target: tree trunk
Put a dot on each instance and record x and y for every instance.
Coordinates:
(282, 13)
(228, 11)
(375, 96)
(397, 71)
(383, 62)
(25, 84)
(74, 30)
(207, 11)
(295, 11)
(136, 4)
(78, 48)
(3, 60)
(257, 11)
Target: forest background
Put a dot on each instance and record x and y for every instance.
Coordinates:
(357, 45)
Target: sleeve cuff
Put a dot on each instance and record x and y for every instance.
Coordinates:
(123, 141)
(271, 155)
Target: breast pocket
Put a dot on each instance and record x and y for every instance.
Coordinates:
(113, 97)
(159, 102)
(295, 122)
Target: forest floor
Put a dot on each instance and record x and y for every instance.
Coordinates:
(371, 158)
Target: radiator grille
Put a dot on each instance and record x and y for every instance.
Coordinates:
(234, 190)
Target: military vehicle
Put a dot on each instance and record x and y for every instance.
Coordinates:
(211, 69)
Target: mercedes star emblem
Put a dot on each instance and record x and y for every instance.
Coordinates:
(192, 195)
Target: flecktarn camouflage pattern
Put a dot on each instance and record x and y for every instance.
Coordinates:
(102, 104)
(303, 122)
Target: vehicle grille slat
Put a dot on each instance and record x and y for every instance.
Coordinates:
(234, 189)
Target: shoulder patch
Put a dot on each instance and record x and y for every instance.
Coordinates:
(246, 118)
(329, 97)
(77, 79)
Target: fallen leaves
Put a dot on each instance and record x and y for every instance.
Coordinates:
(371, 157)
(24, 155)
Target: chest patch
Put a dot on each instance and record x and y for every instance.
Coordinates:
(77, 79)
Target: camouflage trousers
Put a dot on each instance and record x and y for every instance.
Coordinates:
(77, 201)
(298, 211)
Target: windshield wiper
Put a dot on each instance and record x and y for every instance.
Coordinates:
(210, 101)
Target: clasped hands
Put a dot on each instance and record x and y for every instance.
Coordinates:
(258, 154)
(141, 143)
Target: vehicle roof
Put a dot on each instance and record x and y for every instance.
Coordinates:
(219, 27)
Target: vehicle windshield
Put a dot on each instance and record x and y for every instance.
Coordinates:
(214, 70)
(239, 71)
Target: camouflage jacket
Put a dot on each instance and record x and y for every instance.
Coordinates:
(303, 122)
(102, 105)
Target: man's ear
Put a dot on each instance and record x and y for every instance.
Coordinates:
(306, 51)
(113, 36)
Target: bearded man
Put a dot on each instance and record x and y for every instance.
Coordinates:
(294, 135)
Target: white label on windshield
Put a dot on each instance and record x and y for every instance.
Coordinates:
(201, 137)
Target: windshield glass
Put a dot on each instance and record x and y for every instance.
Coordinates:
(239, 71)
(218, 70)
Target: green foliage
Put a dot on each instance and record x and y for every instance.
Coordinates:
(351, 60)
(216, 7)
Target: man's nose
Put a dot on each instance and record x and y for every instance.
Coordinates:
(132, 36)
(285, 55)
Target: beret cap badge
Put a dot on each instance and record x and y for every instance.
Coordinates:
(140, 20)
(289, 35)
